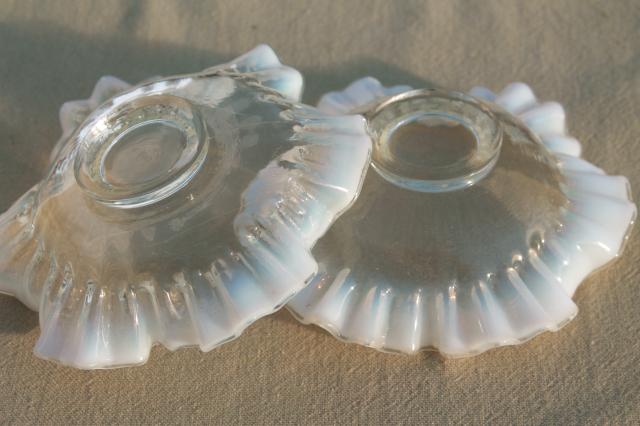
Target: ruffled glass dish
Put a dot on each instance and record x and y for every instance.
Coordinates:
(476, 222)
(178, 211)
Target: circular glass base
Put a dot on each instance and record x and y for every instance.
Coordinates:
(142, 152)
(433, 141)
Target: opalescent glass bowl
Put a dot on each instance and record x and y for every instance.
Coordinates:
(476, 222)
(178, 211)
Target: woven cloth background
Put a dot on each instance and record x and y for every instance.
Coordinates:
(583, 53)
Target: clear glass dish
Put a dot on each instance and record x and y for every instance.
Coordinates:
(475, 224)
(178, 211)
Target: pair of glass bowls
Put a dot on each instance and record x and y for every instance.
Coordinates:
(180, 210)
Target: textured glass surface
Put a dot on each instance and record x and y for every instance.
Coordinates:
(178, 211)
(476, 222)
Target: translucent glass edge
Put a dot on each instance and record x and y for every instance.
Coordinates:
(234, 334)
(475, 350)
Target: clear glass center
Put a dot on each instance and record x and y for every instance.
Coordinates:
(144, 153)
(140, 152)
(430, 141)
(426, 142)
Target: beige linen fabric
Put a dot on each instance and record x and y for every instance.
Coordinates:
(585, 54)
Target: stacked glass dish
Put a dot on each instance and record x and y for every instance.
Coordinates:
(182, 209)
